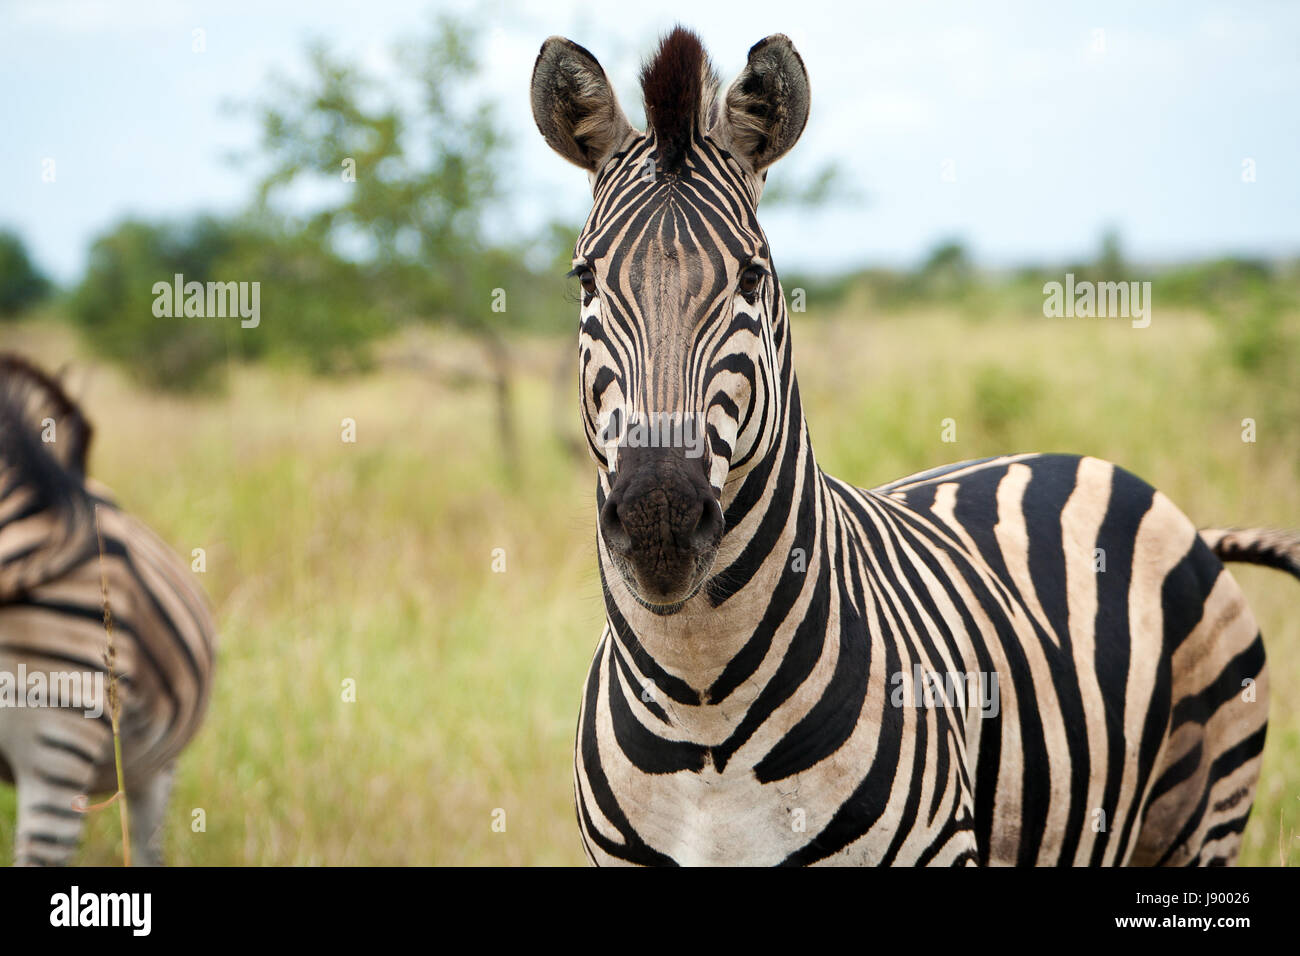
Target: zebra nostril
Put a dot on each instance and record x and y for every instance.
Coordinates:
(708, 531)
(611, 527)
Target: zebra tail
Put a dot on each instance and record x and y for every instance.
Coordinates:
(1271, 547)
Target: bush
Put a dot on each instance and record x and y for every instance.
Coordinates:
(311, 305)
(21, 285)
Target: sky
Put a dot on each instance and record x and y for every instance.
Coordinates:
(1024, 129)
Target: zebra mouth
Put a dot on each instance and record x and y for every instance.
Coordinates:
(704, 564)
(666, 610)
(663, 610)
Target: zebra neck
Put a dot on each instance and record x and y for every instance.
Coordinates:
(767, 591)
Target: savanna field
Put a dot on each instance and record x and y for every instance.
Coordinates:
(372, 561)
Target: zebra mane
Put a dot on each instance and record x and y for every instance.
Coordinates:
(28, 397)
(680, 91)
(50, 473)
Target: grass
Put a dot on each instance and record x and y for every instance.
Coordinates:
(372, 561)
(114, 702)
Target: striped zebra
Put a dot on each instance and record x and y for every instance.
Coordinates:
(1030, 659)
(58, 747)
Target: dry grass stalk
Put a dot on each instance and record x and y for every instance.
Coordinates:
(114, 702)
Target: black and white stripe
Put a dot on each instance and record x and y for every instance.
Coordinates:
(52, 623)
(752, 698)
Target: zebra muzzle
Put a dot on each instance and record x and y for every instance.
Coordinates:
(661, 524)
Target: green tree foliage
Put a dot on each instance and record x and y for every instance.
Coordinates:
(947, 271)
(311, 304)
(114, 304)
(399, 179)
(408, 172)
(21, 284)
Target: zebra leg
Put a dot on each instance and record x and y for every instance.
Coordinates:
(53, 755)
(148, 801)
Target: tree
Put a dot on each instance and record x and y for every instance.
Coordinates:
(408, 172)
(947, 271)
(1110, 265)
(310, 304)
(21, 284)
(114, 304)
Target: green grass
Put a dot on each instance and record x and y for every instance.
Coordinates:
(372, 561)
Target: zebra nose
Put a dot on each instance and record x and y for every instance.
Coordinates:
(662, 517)
(703, 536)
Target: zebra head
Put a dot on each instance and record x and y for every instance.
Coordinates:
(682, 331)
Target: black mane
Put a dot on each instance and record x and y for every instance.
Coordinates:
(54, 470)
(676, 84)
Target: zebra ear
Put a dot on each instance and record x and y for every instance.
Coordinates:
(574, 105)
(767, 106)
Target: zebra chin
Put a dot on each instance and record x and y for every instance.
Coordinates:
(657, 601)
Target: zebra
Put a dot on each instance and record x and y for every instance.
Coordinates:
(63, 544)
(754, 697)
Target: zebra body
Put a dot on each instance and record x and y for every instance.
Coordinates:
(53, 524)
(1117, 731)
(762, 690)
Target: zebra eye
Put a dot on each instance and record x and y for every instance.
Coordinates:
(588, 280)
(749, 280)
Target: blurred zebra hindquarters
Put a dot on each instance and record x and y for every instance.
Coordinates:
(56, 740)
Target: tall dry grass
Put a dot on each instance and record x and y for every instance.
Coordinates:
(372, 562)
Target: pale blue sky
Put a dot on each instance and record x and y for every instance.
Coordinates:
(1053, 130)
